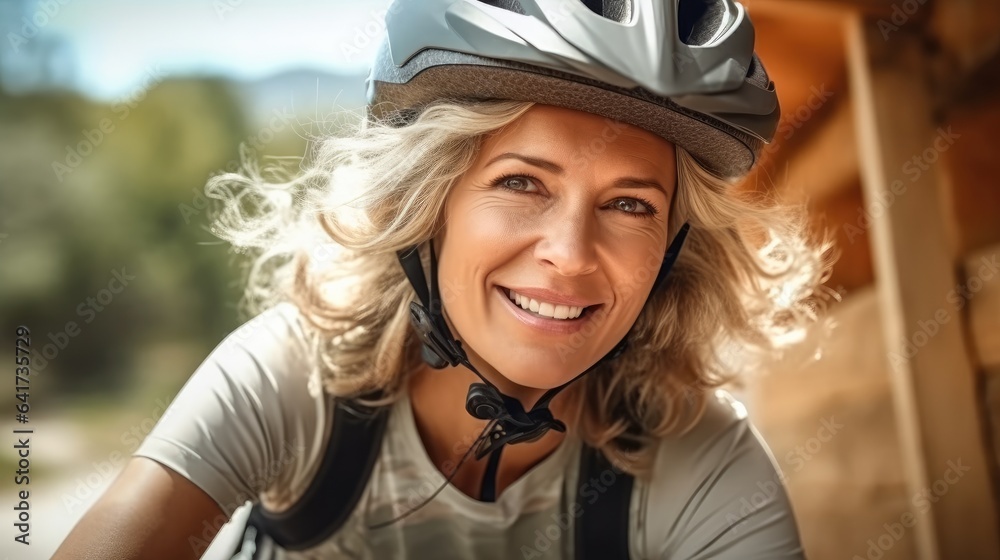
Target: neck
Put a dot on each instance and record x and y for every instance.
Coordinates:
(447, 430)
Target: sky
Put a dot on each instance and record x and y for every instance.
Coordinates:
(115, 44)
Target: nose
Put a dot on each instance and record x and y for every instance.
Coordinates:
(568, 242)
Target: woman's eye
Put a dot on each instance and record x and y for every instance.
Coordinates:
(631, 206)
(638, 207)
(517, 183)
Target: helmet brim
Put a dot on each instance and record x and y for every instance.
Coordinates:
(436, 74)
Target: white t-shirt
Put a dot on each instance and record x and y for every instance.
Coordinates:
(248, 426)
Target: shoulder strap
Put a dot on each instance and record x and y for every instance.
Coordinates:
(603, 526)
(602, 530)
(335, 490)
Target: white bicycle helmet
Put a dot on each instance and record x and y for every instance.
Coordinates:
(683, 69)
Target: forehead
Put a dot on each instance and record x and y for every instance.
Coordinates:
(582, 140)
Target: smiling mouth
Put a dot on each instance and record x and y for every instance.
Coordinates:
(546, 310)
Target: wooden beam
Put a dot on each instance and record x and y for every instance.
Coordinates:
(845, 492)
(838, 216)
(823, 164)
(973, 198)
(934, 383)
(971, 92)
(981, 289)
(799, 8)
(968, 30)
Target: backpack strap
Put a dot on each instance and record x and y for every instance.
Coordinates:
(602, 530)
(335, 490)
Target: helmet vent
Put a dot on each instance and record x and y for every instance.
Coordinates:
(615, 10)
(699, 20)
(509, 5)
(756, 73)
(618, 10)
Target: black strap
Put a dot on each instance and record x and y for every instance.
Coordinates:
(335, 490)
(410, 259)
(602, 530)
(488, 490)
(605, 495)
(673, 251)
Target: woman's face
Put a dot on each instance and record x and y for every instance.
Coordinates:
(569, 209)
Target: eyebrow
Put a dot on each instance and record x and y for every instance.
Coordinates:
(553, 167)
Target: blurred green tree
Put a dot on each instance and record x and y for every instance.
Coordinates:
(94, 191)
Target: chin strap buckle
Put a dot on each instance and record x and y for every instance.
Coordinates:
(512, 424)
(438, 351)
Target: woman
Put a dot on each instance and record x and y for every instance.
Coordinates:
(559, 174)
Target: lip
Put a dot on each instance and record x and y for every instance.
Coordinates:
(558, 326)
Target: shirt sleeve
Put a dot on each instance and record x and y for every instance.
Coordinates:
(246, 426)
(717, 494)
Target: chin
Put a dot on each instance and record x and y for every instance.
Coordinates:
(538, 375)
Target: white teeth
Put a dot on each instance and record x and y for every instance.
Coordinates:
(545, 308)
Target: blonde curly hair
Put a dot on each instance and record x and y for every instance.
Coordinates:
(326, 239)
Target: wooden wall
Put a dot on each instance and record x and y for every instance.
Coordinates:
(875, 96)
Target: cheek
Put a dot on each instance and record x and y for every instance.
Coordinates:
(635, 271)
(475, 242)
(487, 230)
(495, 219)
